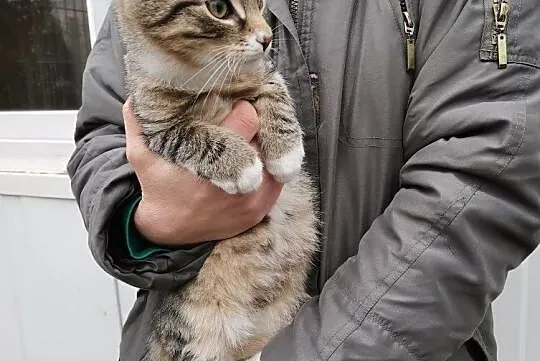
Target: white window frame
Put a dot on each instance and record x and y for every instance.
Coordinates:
(36, 145)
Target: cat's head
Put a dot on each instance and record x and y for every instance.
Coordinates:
(198, 32)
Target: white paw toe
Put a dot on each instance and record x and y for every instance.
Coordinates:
(256, 357)
(250, 179)
(287, 167)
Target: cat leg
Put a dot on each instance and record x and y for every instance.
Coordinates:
(280, 136)
(211, 152)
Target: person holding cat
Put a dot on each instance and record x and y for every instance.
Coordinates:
(356, 189)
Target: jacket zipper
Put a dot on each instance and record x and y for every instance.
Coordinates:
(409, 27)
(314, 81)
(501, 8)
(293, 6)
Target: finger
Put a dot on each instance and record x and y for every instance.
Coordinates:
(243, 120)
(133, 129)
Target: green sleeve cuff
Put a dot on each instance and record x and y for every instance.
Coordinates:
(138, 246)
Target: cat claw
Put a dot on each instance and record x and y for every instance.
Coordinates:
(284, 169)
(249, 180)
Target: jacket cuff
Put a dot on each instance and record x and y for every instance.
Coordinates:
(138, 246)
(167, 269)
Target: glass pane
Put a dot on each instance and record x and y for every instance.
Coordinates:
(43, 50)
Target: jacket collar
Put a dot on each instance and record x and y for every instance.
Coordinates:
(280, 9)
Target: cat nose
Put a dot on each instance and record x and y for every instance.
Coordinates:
(264, 40)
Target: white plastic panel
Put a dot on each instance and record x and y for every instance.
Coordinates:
(60, 305)
(517, 313)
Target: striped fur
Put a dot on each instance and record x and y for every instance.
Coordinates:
(185, 68)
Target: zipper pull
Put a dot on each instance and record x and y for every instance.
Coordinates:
(501, 8)
(502, 52)
(410, 46)
(411, 53)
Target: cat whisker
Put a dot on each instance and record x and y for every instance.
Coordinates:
(223, 70)
(213, 60)
(232, 69)
(223, 73)
(282, 39)
(270, 59)
(236, 65)
(219, 67)
(276, 27)
(230, 73)
(229, 62)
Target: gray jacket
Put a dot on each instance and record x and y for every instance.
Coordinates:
(429, 180)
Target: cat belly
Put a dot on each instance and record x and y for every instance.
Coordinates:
(251, 285)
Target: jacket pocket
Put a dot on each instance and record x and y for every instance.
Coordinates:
(511, 32)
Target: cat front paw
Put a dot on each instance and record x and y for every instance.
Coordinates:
(285, 168)
(256, 357)
(249, 180)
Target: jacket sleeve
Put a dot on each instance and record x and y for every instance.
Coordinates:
(102, 180)
(467, 212)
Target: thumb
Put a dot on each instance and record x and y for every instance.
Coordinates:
(243, 120)
(133, 128)
(136, 149)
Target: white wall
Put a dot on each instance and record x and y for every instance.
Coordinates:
(57, 305)
(517, 313)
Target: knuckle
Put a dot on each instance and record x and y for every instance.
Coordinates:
(249, 223)
(255, 213)
(248, 117)
(260, 217)
(252, 208)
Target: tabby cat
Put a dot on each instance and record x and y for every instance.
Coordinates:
(187, 62)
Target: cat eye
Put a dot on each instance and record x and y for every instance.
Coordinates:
(219, 8)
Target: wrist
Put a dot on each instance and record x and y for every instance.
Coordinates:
(158, 229)
(137, 245)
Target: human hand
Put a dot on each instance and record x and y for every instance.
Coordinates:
(177, 207)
